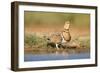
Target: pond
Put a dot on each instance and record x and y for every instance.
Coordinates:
(55, 56)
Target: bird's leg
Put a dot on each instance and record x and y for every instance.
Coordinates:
(57, 47)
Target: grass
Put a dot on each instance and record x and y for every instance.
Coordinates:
(33, 41)
(37, 45)
(83, 41)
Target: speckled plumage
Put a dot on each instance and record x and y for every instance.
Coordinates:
(59, 38)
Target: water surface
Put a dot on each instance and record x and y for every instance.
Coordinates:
(47, 57)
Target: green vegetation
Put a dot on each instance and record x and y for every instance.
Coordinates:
(83, 41)
(38, 45)
(33, 41)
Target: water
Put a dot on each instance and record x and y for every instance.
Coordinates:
(48, 57)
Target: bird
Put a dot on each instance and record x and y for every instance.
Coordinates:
(66, 33)
(55, 40)
(58, 39)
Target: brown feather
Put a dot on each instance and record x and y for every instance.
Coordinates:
(66, 35)
(56, 38)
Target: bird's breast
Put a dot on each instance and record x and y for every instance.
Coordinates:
(66, 36)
